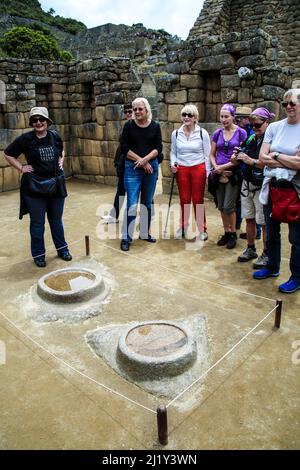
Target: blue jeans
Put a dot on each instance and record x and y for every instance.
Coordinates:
(138, 182)
(38, 208)
(274, 244)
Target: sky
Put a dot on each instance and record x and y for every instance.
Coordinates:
(174, 16)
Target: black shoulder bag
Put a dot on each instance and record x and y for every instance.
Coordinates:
(55, 186)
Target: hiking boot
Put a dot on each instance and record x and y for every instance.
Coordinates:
(248, 254)
(265, 273)
(231, 241)
(224, 239)
(290, 286)
(261, 261)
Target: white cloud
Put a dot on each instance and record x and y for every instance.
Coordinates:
(175, 16)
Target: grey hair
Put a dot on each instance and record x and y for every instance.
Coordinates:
(293, 93)
(145, 103)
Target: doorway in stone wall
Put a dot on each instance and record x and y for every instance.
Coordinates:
(42, 94)
(212, 96)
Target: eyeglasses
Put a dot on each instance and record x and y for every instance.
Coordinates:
(257, 125)
(38, 119)
(285, 104)
(138, 109)
(128, 111)
(189, 115)
(225, 146)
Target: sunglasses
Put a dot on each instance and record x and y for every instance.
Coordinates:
(189, 115)
(38, 119)
(138, 109)
(257, 125)
(128, 111)
(285, 104)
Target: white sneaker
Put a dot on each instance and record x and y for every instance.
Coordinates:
(109, 219)
(179, 234)
(261, 261)
(202, 236)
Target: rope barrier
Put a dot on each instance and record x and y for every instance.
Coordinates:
(221, 359)
(168, 269)
(182, 273)
(74, 369)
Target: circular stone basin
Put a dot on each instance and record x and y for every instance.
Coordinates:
(156, 349)
(70, 285)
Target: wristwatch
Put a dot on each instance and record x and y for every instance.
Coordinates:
(276, 155)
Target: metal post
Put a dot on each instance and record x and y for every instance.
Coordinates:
(169, 205)
(87, 245)
(278, 313)
(162, 425)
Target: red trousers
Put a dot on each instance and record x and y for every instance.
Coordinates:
(191, 185)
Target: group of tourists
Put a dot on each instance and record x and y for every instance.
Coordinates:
(253, 165)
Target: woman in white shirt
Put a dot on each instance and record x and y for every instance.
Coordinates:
(190, 149)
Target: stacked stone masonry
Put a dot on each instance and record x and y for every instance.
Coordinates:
(279, 18)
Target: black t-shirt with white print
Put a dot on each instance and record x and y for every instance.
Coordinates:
(42, 154)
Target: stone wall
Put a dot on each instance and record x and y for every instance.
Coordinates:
(136, 42)
(205, 72)
(214, 19)
(85, 102)
(279, 18)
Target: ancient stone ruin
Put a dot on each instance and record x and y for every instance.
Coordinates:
(245, 53)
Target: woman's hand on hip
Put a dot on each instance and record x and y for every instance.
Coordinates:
(27, 169)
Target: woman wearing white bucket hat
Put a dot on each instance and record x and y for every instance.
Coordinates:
(42, 183)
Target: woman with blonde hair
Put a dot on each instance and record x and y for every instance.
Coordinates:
(190, 149)
(141, 142)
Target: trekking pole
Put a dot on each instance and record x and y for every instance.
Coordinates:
(170, 199)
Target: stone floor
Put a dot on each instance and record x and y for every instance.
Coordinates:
(55, 393)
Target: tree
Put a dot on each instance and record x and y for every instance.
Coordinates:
(23, 42)
(51, 11)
